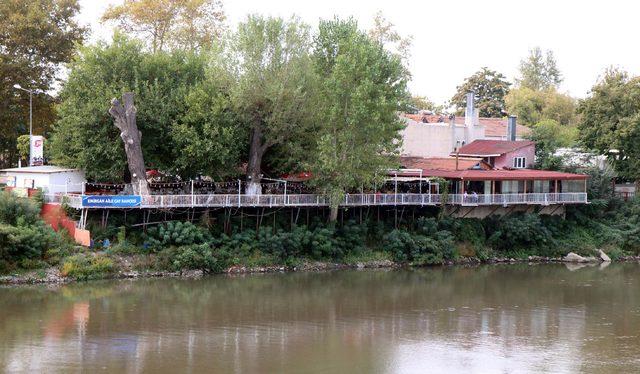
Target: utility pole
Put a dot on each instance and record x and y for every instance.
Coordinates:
(18, 87)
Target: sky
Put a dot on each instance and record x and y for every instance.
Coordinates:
(452, 39)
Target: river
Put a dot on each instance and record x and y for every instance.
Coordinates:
(486, 319)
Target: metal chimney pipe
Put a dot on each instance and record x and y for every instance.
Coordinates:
(511, 128)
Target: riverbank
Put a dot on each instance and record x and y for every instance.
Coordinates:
(129, 267)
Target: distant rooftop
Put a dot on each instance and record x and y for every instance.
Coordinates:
(44, 169)
(495, 127)
(443, 163)
(487, 148)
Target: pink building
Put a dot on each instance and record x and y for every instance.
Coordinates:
(501, 154)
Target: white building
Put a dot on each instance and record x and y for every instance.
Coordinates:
(428, 135)
(52, 179)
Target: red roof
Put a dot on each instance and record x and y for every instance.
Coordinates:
(494, 127)
(485, 148)
(442, 163)
(518, 174)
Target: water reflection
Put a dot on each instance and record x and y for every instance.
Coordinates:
(514, 318)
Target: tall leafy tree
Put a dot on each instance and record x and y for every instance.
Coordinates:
(84, 135)
(190, 24)
(539, 71)
(610, 121)
(36, 38)
(489, 88)
(362, 88)
(532, 106)
(272, 92)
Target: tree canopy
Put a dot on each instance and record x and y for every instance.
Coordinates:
(362, 88)
(610, 121)
(539, 71)
(532, 106)
(186, 24)
(36, 38)
(165, 86)
(489, 88)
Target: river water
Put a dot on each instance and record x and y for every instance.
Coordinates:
(487, 319)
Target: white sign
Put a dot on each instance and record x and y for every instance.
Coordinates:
(36, 151)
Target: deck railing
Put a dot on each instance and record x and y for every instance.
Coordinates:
(350, 200)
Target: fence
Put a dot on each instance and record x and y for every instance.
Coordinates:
(350, 200)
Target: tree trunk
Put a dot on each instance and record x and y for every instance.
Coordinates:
(125, 121)
(333, 214)
(256, 151)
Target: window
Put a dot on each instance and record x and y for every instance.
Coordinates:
(519, 162)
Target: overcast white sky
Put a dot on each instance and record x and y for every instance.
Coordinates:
(454, 38)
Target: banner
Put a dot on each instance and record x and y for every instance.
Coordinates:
(114, 201)
(36, 151)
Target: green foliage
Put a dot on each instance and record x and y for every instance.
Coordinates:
(533, 106)
(610, 120)
(490, 89)
(539, 72)
(519, 232)
(200, 257)
(549, 135)
(36, 38)
(84, 135)
(175, 233)
(426, 246)
(88, 267)
(362, 86)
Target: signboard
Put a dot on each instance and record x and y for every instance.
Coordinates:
(36, 151)
(115, 201)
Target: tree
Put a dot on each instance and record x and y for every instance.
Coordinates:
(384, 33)
(36, 38)
(539, 72)
(188, 24)
(533, 106)
(210, 134)
(272, 91)
(610, 121)
(84, 136)
(550, 135)
(423, 103)
(362, 88)
(490, 89)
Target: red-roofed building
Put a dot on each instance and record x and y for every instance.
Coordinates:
(501, 154)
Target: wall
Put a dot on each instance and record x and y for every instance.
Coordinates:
(51, 182)
(421, 139)
(506, 160)
(55, 216)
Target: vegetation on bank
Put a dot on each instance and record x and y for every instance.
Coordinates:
(425, 237)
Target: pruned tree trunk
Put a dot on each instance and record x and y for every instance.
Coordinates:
(256, 151)
(333, 213)
(124, 115)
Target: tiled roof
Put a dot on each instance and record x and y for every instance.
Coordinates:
(442, 163)
(517, 174)
(494, 127)
(483, 148)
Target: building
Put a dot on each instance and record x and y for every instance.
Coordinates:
(501, 154)
(429, 135)
(52, 179)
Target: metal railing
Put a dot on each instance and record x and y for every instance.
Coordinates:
(350, 200)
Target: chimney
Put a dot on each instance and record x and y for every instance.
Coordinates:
(452, 128)
(469, 113)
(511, 128)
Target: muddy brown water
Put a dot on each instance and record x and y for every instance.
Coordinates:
(486, 319)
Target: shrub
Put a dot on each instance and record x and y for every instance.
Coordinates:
(420, 249)
(175, 233)
(517, 232)
(199, 257)
(16, 210)
(87, 267)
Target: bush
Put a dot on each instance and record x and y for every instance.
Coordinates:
(199, 257)
(519, 232)
(87, 267)
(175, 233)
(425, 247)
(16, 210)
